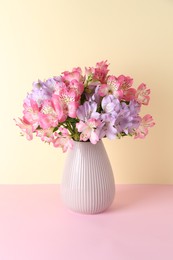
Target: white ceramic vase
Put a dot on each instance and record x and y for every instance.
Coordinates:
(88, 185)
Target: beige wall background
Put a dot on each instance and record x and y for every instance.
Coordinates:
(40, 39)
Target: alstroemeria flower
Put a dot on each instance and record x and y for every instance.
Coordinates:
(50, 85)
(31, 111)
(63, 139)
(70, 102)
(107, 127)
(46, 135)
(142, 94)
(75, 74)
(26, 128)
(111, 105)
(48, 116)
(126, 86)
(87, 111)
(60, 85)
(129, 94)
(142, 130)
(127, 119)
(125, 82)
(41, 91)
(98, 73)
(110, 88)
(101, 71)
(95, 96)
(88, 130)
(78, 87)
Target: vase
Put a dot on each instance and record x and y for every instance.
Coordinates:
(88, 185)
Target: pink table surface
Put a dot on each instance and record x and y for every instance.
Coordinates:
(34, 225)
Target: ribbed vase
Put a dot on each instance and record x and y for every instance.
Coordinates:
(88, 185)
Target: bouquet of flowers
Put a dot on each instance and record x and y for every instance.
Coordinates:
(87, 106)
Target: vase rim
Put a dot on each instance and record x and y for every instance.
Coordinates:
(86, 142)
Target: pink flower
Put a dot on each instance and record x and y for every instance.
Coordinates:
(72, 109)
(125, 85)
(59, 107)
(89, 71)
(48, 116)
(59, 86)
(146, 122)
(142, 94)
(70, 102)
(63, 139)
(78, 88)
(111, 88)
(129, 94)
(125, 82)
(88, 130)
(26, 127)
(30, 112)
(99, 72)
(46, 135)
(75, 74)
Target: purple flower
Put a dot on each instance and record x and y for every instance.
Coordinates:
(128, 118)
(87, 111)
(41, 91)
(118, 117)
(111, 105)
(92, 93)
(49, 86)
(107, 127)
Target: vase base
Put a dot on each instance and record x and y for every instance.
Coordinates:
(90, 211)
(86, 213)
